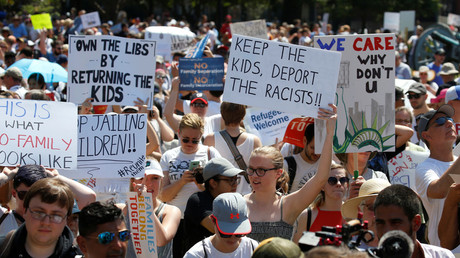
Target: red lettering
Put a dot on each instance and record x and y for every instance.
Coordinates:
(388, 45)
(378, 46)
(368, 44)
(354, 44)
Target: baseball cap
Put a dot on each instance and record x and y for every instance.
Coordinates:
(126, 108)
(160, 59)
(231, 213)
(453, 93)
(199, 96)
(440, 51)
(448, 69)
(152, 167)
(370, 188)
(13, 72)
(219, 166)
(277, 247)
(425, 118)
(399, 93)
(442, 95)
(61, 59)
(417, 88)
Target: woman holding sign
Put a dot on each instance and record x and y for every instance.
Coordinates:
(179, 181)
(272, 214)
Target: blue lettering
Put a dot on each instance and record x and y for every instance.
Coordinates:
(339, 44)
(325, 46)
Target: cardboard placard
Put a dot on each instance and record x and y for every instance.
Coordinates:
(453, 19)
(365, 93)
(142, 225)
(391, 21)
(90, 20)
(38, 133)
(111, 70)
(201, 73)
(255, 28)
(280, 76)
(110, 146)
(402, 167)
(296, 130)
(268, 125)
(40, 21)
(163, 45)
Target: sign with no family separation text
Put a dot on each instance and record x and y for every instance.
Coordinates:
(284, 77)
(38, 133)
(111, 70)
(110, 146)
(201, 73)
(365, 93)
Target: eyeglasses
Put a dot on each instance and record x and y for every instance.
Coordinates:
(442, 120)
(232, 181)
(21, 195)
(413, 96)
(200, 105)
(260, 172)
(54, 218)
(333, 180)
(229, 236)
(185, 140)
(106, 238)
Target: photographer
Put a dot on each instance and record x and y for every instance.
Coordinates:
(219, 176)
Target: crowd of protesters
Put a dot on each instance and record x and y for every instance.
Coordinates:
(229, 205)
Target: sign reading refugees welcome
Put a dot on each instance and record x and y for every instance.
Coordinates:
(38, 133)
(283, 77)
(111, 70)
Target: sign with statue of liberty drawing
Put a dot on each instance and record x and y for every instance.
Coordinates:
(365, 93)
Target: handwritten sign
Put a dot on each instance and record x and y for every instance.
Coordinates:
(365, 93)
(255, 28)
(111, 70)
(391, 21)
(296, 130)
(181, 39)
(163, 45)
(38, 133)
(453, 19)
(142, 225)
(268, 125)
(402, 167)
(90, 20)
(283, 77)
(110, 146)
(201, 73)
(40, 21)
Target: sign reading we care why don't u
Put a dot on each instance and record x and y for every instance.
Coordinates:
(38, 133)
(111, 70)
(280, 76)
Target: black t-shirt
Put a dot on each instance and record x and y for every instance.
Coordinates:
(199, 206)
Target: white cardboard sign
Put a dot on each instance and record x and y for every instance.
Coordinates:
(90, 20)
(278, 76)
(402, 167)
(255, 28)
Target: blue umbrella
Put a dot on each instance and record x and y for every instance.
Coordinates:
(51, 71)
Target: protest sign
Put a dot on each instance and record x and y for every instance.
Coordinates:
(406, 21)
(38, 133)
(40, 21)
(255, 28)
(268, 125)
(111, 70)
(181, 39)
(197, 50)
(296, 130)
(163, 45)
(110, 146)
(453, 19)
(402, 167)
(365, 93)
(279, 76)
(391, 21)
(90, 20)
(142, 225)
(201, 73)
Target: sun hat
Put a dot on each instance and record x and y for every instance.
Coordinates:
(448, 69)
(370, 188)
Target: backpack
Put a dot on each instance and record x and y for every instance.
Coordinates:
(292, 169)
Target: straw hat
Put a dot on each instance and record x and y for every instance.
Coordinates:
(370, 188)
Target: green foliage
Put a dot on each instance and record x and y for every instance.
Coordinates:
(41, 6)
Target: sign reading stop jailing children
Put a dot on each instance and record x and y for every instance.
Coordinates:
(279, 76)
(111, 70)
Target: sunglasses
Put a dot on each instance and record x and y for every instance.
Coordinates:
(231, 181)
(333, 180)
(200, 105)
(413, 96)
(21, 195)
(107, 237)
(185, 140)
(260, 172)
(54, 218)
(161, 77)
(442, 120)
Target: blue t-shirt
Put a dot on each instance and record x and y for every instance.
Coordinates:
(437, 79)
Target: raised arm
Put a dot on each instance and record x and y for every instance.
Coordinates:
(439, 188)
(173, 119)
(404, 134)
(448, 225)
(167, 134)
(297, 201)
